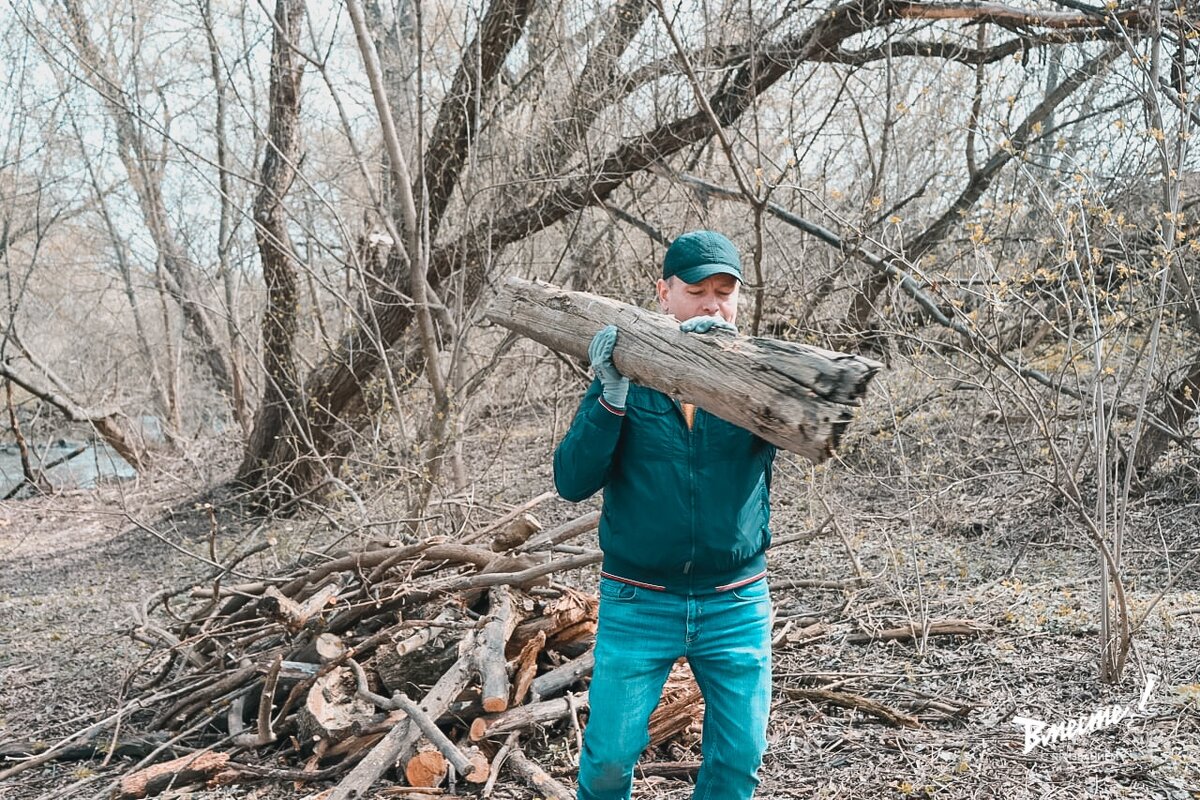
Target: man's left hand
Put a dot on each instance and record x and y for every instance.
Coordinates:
(706, 324)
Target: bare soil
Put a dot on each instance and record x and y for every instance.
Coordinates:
(994, 549)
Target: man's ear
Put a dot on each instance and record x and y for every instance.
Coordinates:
(662, 288)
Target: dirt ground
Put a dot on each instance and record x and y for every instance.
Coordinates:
(1005, 557)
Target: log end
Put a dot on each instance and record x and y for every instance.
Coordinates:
(480, 769)
(494, 705)
(426, 769)
(478, 729)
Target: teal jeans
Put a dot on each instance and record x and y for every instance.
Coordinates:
(726, 638)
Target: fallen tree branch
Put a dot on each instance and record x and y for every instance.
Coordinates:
(104, 420)
(854, 702)
(918, 630)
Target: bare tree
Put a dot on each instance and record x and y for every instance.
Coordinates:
(144, 168)
(741, 74)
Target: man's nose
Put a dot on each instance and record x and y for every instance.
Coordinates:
(710, 305)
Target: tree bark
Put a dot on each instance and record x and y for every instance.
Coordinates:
(489, 657)
(798, 397)
(279, 260)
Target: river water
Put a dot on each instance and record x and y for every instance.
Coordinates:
(98, 462)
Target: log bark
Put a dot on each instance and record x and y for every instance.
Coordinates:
(564, 619)
(797, 397)
(536, 778)
(503, 521)
(180, 772)
(526, 669)
(493, 668)
(565, 532)
(559, 678)
(417, 668)
(333, 708)
(516, 533)
(522, 717)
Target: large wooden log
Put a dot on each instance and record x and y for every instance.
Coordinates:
(180, 772)
(798, 397)
(489, 657)
(559, 678)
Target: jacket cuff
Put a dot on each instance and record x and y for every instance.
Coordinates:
(620, 412)
(605, 417)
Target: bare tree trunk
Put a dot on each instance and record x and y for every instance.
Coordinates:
(281, 393)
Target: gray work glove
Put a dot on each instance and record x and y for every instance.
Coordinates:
(706, 324)
(614, 384)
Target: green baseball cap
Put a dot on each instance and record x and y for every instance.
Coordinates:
(695, 256)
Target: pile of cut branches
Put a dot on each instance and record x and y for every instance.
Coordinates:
(421, 664)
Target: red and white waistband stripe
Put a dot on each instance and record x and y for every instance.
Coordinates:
(656, 587)
(632, 582)
(741, 583)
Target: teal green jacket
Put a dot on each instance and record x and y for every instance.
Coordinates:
(685, 511)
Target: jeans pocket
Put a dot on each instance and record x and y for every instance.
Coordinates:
(751, 591)
(616, 590)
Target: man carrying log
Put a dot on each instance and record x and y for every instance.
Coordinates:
(684, 530)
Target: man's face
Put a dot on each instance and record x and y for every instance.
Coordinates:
(715, 296)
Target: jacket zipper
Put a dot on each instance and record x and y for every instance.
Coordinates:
(691, 434)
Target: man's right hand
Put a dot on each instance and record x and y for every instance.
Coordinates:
(614, 384)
